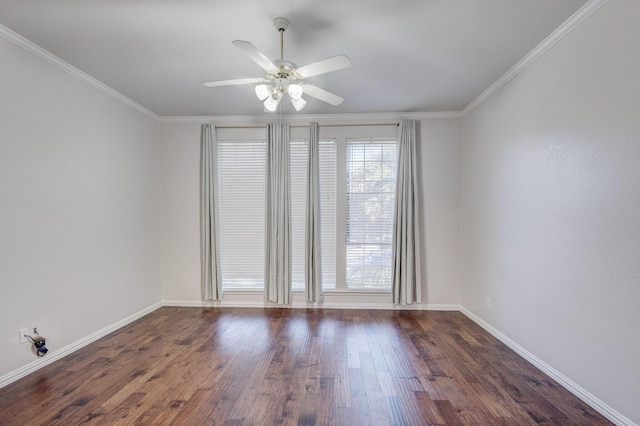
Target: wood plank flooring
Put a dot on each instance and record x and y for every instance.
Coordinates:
(239, 366)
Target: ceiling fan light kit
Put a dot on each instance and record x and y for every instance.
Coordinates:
(298, 104)
(272, 101)
(281, 75)
(295, 91)
(263, 91)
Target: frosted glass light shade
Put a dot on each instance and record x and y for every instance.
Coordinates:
(263, 91)
(298, 104)
(271, 103)
(295, 91)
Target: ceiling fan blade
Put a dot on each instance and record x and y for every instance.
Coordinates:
(321, 94)
(258, 57)
(236, 81)
(327, 65)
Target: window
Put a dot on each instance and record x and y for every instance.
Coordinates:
(357, 194)
(370, 194)
(241, 198)
(298, 187)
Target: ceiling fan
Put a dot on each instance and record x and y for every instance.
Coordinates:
(284, 76)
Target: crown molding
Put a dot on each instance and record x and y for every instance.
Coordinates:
(39, 52)
(325, 119)
(576, 19)
(328, 119)
(373, 118)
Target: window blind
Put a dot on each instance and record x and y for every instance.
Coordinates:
(298, 187)
(327, 167)
(298, 190)
(241, 198)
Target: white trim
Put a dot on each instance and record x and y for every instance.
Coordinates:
(304, 305)
(576, 19)
(55, 355)
(564, 381)
(46, 56)
(326, 119)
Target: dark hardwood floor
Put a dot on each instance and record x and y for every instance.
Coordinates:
(234, 366)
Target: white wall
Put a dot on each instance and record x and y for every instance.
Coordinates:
(439, 169)
(95, 212)
(180, 168)
(439, 163)
(79, 199)
(550, 226)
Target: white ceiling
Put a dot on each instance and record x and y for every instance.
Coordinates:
(408, 55)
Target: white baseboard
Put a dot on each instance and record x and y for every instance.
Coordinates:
(304, 305)
(568, 384)
(564, 381)
(53, 356)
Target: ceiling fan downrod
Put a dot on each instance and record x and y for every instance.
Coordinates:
(281, 25)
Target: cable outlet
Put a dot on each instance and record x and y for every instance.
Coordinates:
(487, 302)
(23, 333)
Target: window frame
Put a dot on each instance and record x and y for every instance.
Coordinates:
(391, 142)
(342, 134)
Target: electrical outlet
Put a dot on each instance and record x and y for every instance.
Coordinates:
(23, 332)
(488, 302)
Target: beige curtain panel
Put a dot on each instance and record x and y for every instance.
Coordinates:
(313, 264)
(209, 234)
(406, 227)
(277, 282)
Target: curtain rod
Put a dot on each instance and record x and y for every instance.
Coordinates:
(319, 125)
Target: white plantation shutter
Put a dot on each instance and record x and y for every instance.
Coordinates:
(371, 176)
(298, 172)
(241, 180)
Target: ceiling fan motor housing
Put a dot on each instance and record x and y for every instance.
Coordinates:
(286, 70)
(281, 84)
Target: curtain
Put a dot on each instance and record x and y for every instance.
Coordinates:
(406, 242)
(277, 283)
(209, 234)
(312, 263)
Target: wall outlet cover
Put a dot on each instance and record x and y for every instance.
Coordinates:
(23, 333)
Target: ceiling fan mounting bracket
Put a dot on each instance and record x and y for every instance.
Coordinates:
(281, 24)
